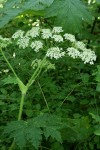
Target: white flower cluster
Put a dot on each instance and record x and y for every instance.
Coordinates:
(57, 38)
(55, 52)
(34, 32)
(88, 56)
(36, 45)
(4, 42)
(46, 33)
(23, 42)
(18, 34)
(36, 39)
(80, 45)
(73, 52)
(70, 37)
(57, 30)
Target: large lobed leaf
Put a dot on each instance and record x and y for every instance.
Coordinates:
(69, 14)
(32, 130)
(14, 7)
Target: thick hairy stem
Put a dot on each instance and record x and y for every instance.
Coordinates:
(19, 117)
(21, 106)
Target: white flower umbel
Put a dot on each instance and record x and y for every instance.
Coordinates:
(57, 38)
(46, 33)
(88, 56)
(23, 42)
(4, 42)
(69, 37)
(36, 45)
(34, 32)
(57, 30)
(52, 41)
(55, 52)
(73, 52)
(80, 45)
(18, 34)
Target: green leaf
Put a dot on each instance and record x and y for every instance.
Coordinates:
(69, 14)
(96, 117)
(98, 1)
(98, 87)
(22, 132)
(98, 74)
(97, 132)
(10, 80)
(16, 131)
(12, 8)
(34, 135)
(53, 132)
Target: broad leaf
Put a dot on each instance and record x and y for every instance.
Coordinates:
(12, 8)
(69, 14)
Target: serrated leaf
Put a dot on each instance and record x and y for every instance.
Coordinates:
(16, 131)
(53, 132)
(10, 80)
(34, 135)
(69, 14)
(22, 132)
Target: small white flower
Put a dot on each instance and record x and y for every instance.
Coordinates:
(14, 55)
(36, 45)
(18, 34)
(46, 33)
(73, 52)
(55, 52)
(57, 38)
(88, 56)
(57, 30)
(23, 42)
(6, 70)
(34, 32)
(80, 45)
(69, 37)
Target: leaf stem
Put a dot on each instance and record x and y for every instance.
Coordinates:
(8, 63)
(43, 96)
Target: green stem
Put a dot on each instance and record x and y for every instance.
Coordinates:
(19, 117)
(8, 63)
(36, 73)
(12, 145)
(21, 106)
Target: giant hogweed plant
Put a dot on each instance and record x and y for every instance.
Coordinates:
(48, 44)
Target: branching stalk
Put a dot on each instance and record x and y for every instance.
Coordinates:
(37, 72)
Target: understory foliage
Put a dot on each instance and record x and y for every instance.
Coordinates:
(57, 70)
